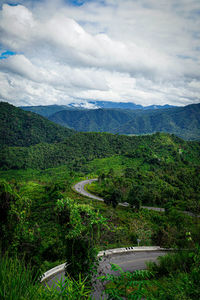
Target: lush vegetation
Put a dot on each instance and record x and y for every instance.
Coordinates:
(42, 225)
(80, 148)
(183, 121)
(168, 185)
(17, 282)
(176, 276)
(99, 120)
(43, 221)
(21, 128)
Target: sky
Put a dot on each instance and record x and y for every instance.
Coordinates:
(62, 51)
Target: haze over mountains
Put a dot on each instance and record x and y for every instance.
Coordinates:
(47, 110)
(29, 140)
(125, 118)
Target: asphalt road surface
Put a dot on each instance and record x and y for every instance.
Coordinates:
(79, 187)
(127, 261)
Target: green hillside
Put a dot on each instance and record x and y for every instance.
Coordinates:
(99, 120)
(79, 148)
(21, 128)
(44, 222)
(183, 122)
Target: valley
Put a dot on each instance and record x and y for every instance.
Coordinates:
(126, 119)
(44, 222)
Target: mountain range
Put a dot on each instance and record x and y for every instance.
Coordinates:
(181, 121)
(48, 110)
(29, 140)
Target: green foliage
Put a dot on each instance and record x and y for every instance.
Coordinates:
(181, 121)
(81, 226)
(68, 288)
(113, 198)
(126, 285)
(134, 197)
(19, 282)
(99, 120)
(16, 280)
(170, 180)
(81, 148)
(9, 219)
(177, 276)
(172, 263)
(21, 128)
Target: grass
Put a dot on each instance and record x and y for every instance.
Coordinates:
(18, 283)
(16, 280)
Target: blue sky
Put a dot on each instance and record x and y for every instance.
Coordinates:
(76, 2)
(6, 54)
(57, 52)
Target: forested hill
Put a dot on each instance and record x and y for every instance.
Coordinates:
(181, 121)
(21, 128)
(99, 120)
(78, 149)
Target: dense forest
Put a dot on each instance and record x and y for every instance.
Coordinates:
(126, 119)
(44, 221)
(181, 121)
(99, 120)
(21, 128)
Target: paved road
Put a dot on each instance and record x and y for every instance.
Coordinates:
(127, 261)
(79, 187)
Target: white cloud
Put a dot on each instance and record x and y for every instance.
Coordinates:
(139, 51)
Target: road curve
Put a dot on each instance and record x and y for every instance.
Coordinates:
(128, 261)
(79, 187)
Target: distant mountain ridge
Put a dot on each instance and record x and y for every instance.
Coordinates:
(44, 110)
(99, 120)
(111, 104)
(181, 121)
(48, 110)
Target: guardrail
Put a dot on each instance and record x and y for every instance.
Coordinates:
(61, 268)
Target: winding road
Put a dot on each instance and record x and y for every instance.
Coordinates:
(79, 187)
(128, 261)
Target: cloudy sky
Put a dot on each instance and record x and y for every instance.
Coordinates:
(62, 51)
